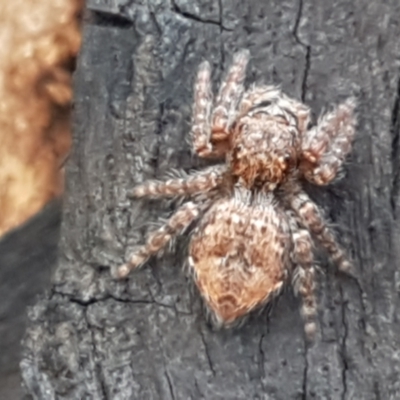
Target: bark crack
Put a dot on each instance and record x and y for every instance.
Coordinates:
(305, 373)
(221, 43)
(343, 346)
(170, 386)
(262, 355)
(176, 9)
(307, 50)
(97, 367)
(207, 352)
(158, 133)
(106, 18)
(108, 296)
(395, 155)
(197, 386)
(166, 374)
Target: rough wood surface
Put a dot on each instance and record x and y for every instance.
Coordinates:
(27, 256)
(147, 338)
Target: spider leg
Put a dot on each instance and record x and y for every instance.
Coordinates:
(182, 218)
(303, 280)
(200, 182)
(325, 146)
(229, 95)
(203, 101)
(309, 216)
(210, 133)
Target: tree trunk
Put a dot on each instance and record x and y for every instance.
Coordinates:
(147, 338)
(27, 256)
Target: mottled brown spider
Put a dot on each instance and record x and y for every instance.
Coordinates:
(255, 223)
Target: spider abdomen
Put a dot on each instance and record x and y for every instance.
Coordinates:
(238, 257)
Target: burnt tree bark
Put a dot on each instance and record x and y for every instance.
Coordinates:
(147, 338)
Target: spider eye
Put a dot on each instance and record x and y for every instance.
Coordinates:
(265, 103)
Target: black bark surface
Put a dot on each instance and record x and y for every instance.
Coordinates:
(147, 338)
(27, 256)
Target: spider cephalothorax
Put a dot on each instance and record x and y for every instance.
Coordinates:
(263, 149)
(254, 220)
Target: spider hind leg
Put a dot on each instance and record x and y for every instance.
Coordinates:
(309, 216)
(303, 279)
(157, 240)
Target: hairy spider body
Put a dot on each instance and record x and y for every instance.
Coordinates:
(232, 268)
(255, 224)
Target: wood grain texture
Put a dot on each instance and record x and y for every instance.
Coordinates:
(92, 337)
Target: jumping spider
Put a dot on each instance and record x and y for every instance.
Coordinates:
(254, 220)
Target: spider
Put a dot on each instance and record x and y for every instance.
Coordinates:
(255, 225)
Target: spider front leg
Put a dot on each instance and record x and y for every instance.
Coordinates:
(303, 280)
(157, 240)
(203, 101)
(229, 95)
(210, 132)
(309, 216)
(200, 182)
(325, 146)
